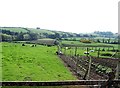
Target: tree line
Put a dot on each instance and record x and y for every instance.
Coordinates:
(8, 35)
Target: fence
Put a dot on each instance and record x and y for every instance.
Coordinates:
(97, 83)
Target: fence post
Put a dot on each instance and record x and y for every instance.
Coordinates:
(98, 52)
(76, 63)
(65, 51)
(89, 68)
(75, 51)
(87, 52)
(113, 48)
(117, 70)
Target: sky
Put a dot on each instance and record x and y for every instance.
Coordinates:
(77, 16)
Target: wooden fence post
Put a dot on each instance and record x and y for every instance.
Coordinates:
(70, 53)
(108, 48)
(75, 51)
(89, 68)
(76, 63)
(98, 52)
(113, 48)
(117, 70)
(65, 50)
(87, 51)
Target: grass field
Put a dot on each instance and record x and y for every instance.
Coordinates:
(40, 31)
(15, 29)
(94, 44)
(81, 49)
(25, 63)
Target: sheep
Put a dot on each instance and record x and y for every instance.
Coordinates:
(32, 45)
(23, 44)
(86, 52)
(59, 53)
(91, 50)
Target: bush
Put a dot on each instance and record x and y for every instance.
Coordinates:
(85, 41)
(106, 54)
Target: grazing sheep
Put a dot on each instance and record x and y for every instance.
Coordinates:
(86, 52)
(66, 48)
(49, 45)
(91, 50)
(31, 45)
(59, 53)
(23, 44)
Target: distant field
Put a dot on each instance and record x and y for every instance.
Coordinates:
(95, 44)
(33, 30)
(40, 31)
(25, 63)
(15, 29)
(81, 50)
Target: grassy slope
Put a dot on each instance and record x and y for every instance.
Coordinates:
(20, 29)
(40, 31)
(81, 50)
(95, 44)
(25, 63)
(15, 29)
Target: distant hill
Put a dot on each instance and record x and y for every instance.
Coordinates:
(22, 33)
(14, 29)
(33, 30)
(24, 30)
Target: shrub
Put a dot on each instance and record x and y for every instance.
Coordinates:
(85, 41)
(106, 54)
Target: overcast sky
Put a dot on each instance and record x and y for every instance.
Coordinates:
(78, 16)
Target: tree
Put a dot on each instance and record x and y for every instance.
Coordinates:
(6, 37)
(64, 35)
(33, 36)
(98, 40)
(57, 35)
(20, 36)
(109, 40)
(26, 37)
(103, 40)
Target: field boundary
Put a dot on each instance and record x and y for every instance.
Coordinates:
(58, 83)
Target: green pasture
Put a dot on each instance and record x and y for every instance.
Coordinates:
(91, 46)
(26, 63)
(33, 30)
(15, 29)
(40, 31)
(81, 52)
